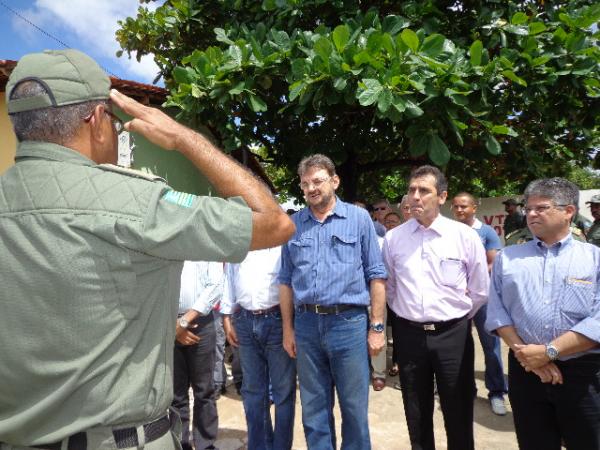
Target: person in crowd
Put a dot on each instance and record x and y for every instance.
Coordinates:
(331, 270)
(381, 208)
(93, 258)
(514, 219)
(464, 208)
(224, 352)
(194, 359)
(544, 303)
(438, 279)
(391, 220)
(404, 208)
(252, 320)
(593, 234)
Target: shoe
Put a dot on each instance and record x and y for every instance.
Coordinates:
(397, 385)
(238, 388)
(378, 384)
(393, 371)
(497, 405)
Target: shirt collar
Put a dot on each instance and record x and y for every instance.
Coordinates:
(476, 224)
(340, 209)
(563, 243)
(437, 225)
(51, 152)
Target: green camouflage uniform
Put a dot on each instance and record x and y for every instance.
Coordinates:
(524, 235)
(90, 285)
(593, 234)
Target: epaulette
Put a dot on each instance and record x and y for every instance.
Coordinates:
(130, 172)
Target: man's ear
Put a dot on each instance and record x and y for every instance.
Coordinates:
(442, 197)
(571, 209)
(96, 123)
(336, 181)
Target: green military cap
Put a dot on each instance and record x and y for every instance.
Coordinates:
(68, 76)
(594, 199)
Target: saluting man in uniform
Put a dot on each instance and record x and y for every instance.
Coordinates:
(93, 256)
(593, 234)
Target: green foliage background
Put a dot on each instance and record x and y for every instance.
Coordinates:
(494, 92)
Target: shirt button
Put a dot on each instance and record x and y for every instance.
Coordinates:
(547, 280)
(546, 326)
(547, 302)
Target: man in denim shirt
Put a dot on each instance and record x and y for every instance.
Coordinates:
(544, 303)
(331, 270)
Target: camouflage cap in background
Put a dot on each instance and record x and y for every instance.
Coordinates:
(69, 77)
(594, 199)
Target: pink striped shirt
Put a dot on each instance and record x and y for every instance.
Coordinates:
(436, 273)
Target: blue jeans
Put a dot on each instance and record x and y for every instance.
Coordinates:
(264, 359)
(494, 371)
(332, 352)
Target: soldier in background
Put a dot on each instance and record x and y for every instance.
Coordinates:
(593, 234)
(514, 218)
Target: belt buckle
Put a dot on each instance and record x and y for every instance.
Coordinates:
(429, 327)
(258, 312)
(317, 310)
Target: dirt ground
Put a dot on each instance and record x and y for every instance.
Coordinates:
(386, 418)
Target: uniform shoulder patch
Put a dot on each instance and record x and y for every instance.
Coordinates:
(130, 172)
(179, 198)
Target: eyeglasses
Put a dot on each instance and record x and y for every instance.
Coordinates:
(118, 123)
(541, 209)
(317, 183)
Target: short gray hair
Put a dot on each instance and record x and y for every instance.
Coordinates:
(58, 125)
(317, 160)
(558, 190)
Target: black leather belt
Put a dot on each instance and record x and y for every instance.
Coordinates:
(323, 309)
(262, 312)
(124, 437)
(432, 326)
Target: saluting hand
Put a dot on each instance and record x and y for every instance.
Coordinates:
(152, 123)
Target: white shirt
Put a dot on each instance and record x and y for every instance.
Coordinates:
(201, 286)
(252, 284)
(436, 273)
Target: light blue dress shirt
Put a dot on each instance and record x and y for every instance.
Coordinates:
(546, 291)
(201, 286)
(332, 262)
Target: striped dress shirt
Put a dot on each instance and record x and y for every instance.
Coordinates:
(332, 262)
(546, 291)
(201, 286)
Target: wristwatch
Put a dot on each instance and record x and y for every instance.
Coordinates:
(377, 327)
(183, 323)
(551, 352)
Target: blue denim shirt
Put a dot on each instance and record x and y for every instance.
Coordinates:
(546, 291)
(334, 261)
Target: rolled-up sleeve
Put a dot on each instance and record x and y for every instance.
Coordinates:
(497, 314)
(373, 266)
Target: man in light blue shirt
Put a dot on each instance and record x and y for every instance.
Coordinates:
(252, 321)
(544, 303)
(464, 208)
(331, 270)
(194, 358)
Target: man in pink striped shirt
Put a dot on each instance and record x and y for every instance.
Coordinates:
(437, 281)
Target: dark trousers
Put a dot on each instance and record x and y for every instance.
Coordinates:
(194, 366)
(545, 413)
(448, 355)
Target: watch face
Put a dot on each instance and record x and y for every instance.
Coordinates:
(183, 323)
(377, 327)
(552, 352)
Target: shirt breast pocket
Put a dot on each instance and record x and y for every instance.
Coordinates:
(451, 271)
(577, 299)
(345, 248)
(301, 251)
